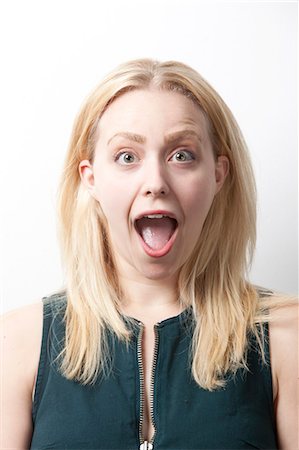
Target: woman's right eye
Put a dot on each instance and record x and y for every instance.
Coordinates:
(125, 158)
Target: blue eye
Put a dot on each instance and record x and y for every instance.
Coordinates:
(125, 158)
(182, 156)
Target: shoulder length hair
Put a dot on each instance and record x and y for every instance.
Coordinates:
(226, 308)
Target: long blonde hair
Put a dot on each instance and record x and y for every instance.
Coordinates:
(225, 306)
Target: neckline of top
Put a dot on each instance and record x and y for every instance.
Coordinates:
(179, 318)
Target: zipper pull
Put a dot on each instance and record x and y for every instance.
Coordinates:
(146, 446)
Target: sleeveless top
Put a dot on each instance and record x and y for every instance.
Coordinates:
(108, 414)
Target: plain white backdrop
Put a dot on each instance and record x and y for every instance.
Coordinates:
(54, 53)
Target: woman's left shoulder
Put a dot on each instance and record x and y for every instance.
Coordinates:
(283, 337)
(283, 324)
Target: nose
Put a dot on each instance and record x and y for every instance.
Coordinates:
(155, 180)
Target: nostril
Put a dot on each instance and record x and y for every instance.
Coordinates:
(156, 192)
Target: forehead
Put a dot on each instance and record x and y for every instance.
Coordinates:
(152, 110)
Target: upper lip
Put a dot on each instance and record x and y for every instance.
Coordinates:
(157, 211)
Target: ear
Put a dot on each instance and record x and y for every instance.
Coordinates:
(87, 177)
(221, 171)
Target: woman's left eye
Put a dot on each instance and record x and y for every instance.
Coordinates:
(182, 156)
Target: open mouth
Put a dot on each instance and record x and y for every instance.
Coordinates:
(156, 230)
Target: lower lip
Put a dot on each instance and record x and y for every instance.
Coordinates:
(162, 251)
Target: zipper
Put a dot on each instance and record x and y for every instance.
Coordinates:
(152, 387)
(147, 445)
(141, 378)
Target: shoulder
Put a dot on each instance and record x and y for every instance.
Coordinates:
(19, 314)
(282, 317)
(21, 334)
(15, 322)
(283, 333)
(283, 336)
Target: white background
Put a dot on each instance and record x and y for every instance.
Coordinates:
(54, 52)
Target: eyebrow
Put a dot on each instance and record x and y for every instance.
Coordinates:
(130, 136)
(183, 134)
(169, 138)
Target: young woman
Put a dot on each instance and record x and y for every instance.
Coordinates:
(157, 340)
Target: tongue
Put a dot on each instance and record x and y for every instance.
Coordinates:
(156, 232)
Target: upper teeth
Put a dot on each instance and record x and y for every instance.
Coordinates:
(155, 216)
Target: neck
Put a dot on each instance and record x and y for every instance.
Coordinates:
(150, 300)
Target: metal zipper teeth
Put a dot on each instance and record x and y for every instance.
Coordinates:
(141, 376)
(152, 387)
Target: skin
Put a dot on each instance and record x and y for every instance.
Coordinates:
(285, 375)
(153, 181)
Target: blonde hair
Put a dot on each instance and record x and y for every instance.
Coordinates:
(225, 306)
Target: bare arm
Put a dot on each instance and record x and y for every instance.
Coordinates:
(21, 332)
(284, 359)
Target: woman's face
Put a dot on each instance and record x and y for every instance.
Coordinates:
(155, 176)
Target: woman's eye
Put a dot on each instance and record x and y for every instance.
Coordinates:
(125, 158)
(182, 156)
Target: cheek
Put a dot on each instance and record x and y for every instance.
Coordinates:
(198, 195)
(114, 201)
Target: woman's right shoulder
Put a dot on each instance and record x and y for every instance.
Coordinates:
(23, 313)
(21, 335)
(23, 323)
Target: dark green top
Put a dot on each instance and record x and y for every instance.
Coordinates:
(68, 415)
